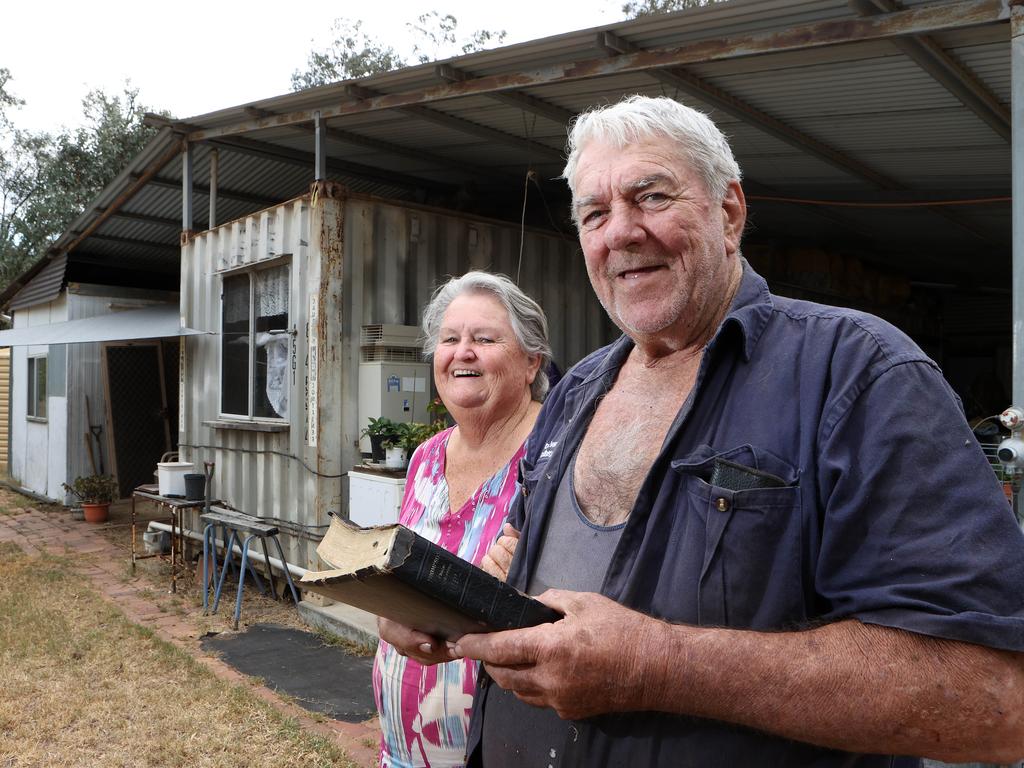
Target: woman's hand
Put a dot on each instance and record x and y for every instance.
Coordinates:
(416, 645)
(499, 557)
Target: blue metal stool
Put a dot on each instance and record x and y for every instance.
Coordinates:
(236, 523)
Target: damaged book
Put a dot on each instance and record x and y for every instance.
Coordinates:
(393, 572)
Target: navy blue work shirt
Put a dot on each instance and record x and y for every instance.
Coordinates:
(890, 515)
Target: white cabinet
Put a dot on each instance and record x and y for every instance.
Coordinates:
(374, 498)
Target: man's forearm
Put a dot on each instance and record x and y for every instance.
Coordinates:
(850, 686)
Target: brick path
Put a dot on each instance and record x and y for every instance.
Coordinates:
(36, 532)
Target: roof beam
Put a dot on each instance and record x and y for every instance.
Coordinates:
(161, 221)
(167, 247)
(920, 20)
(301, 158)
(465, 126)
(515, 99)
(356, 139)
(731, 105)
(227, 194)
(946, 70)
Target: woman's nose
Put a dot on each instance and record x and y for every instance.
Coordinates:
(464, 349)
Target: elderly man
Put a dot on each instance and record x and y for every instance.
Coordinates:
(772, 534)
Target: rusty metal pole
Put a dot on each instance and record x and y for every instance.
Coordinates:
(321, 147)
(186, 192)
(214, 171)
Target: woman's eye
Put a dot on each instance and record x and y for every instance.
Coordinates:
(484, 340)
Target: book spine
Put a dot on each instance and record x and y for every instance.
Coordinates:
(460, 584)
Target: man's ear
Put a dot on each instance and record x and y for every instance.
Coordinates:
(734, 216)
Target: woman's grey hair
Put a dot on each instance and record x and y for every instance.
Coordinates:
(637, 118)
(524, 314)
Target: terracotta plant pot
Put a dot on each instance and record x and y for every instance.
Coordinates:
(96, 513)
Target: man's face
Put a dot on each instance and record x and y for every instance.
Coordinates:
(659, 249)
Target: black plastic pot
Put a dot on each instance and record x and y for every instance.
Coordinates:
(377, 448)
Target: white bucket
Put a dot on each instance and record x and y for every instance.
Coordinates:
(171, 477)
(156, 542)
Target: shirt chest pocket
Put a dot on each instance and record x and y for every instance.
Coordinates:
(751, 574)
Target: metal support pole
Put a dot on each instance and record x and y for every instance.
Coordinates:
(1017, 206)
(186, 188)
(321, 147)
(214, 171)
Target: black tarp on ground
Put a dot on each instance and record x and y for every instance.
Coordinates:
(321, 678)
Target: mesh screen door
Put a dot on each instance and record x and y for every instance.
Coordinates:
(137, 408)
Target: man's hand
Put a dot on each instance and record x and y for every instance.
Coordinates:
(584, 665)
(416, 645)
(499, 557)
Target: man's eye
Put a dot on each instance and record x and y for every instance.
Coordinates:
(592, 218)
(653, 198)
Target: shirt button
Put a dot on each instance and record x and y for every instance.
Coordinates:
(722, 504)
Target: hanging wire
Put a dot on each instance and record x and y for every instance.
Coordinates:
(522, 224)
(530, 173)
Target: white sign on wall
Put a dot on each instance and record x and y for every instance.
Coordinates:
(312, 361)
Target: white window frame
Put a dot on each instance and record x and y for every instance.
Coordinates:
(32, 380)
(251, 270)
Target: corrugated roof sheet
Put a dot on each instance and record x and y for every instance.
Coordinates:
(45, 286)
(866, 100)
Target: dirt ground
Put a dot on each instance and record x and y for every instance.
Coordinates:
(145, 597)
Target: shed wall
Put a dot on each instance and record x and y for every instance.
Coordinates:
(38, 448)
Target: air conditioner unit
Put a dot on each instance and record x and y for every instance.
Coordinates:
(394, 380)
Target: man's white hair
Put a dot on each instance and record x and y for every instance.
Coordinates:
(640, 118)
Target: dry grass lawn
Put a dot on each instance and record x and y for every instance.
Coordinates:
(80, 685)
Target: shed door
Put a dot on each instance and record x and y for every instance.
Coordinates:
(138, 424)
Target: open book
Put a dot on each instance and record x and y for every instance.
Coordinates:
(393, 572)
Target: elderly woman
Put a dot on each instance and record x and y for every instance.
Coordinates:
(488, 341)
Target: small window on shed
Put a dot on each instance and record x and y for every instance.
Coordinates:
(255, 343)
(37, 387)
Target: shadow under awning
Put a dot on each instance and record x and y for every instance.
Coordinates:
(154, 322)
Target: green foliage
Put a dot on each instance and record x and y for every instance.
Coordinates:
(380, 427)
(410, 435)
(353, 53)
(93, 489)
(634, 9)
(47, 179)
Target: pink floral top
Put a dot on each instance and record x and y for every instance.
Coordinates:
(424, 711)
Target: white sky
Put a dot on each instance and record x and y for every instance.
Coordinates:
(191, 57)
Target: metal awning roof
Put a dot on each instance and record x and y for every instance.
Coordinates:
(154, 322)
(873, 125)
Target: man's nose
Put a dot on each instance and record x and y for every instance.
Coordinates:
(624, 228)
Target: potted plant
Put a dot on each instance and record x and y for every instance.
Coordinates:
(378, 431)
(95, 493)
(401, 446)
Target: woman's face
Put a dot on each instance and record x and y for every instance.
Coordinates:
(478, 361)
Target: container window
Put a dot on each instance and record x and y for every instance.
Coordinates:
(255, 344)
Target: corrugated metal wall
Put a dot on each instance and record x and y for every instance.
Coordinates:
(399, 254)
(260, 472)
(392, 257)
